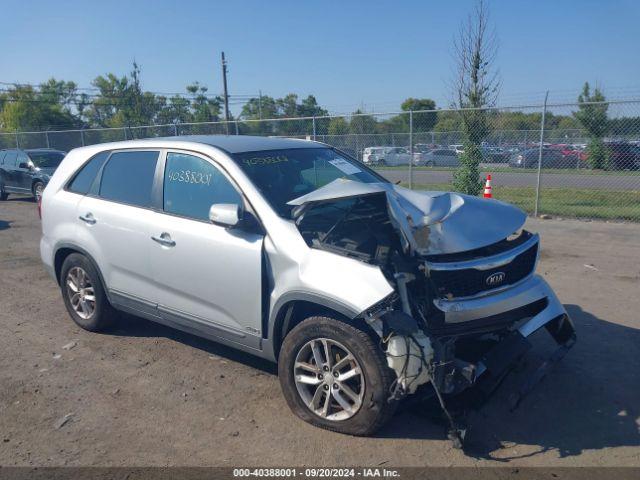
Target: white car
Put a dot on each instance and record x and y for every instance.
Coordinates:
(361, 290)
(441, 157)
(458, 148)
(390, 156)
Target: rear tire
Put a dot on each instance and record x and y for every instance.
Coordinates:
(84, 295)
(37, 190)
(363, 380)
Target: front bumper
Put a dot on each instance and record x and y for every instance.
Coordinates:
(456, 376)
(527, 292)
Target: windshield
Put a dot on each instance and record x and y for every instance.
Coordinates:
(282, 175)
(46, 159)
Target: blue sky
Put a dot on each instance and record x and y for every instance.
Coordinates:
(346, 53)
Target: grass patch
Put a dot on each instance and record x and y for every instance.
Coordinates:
(506, 169)
(567, 202)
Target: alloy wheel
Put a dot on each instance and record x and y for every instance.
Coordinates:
(329, 379)
(38, 191)
(81, 294)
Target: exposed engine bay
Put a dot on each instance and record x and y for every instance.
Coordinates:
(459, 266)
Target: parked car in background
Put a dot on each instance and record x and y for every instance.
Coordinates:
(425, 147)
(551, 158)
(570, 152)
(494, 155)
(623, 155)
(441, 157)
(27, 171)
(458, 148)
(390, 156)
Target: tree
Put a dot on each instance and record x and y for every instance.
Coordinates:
(592, 115)
(46, 107)
(338, 126)
(476, 87)
(422, 122)
(362, 124)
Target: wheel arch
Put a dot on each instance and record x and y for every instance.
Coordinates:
(33, 184)
(62, 251)
(293, 308)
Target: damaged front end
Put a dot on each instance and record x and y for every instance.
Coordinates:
(466, 296)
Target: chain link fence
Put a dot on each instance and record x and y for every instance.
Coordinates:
(567, 160)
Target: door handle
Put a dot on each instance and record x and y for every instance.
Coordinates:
(164, 239)
(88, 218)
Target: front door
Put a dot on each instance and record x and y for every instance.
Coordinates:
(206, 275)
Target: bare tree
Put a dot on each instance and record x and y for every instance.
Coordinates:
(476, 84)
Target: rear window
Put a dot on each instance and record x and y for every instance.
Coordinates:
(128, 178)
(10, 158)
(46, 159)
(84, 178)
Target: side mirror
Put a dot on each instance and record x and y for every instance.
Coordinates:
(24, 165)
(226, 214)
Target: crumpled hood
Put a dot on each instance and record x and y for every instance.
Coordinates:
(431, 222)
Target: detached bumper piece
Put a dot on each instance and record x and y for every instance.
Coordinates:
(452, 375)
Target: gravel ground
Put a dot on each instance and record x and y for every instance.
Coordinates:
(144, 394)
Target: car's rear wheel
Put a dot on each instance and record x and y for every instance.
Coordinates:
(334, 376)
(38, 188)
(84, 294)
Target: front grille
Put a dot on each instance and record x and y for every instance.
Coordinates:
(466, 282)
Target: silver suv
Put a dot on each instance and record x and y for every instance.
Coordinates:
(363, 292)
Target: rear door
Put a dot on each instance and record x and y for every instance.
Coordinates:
(205, 274)
(113, 222)
(9, 171)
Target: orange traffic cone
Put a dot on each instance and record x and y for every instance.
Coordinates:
(487, 188)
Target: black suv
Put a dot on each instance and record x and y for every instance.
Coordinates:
(27, 171)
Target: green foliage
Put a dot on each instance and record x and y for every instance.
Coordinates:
(338, 126)
(597, 154)
(593, 118)
(422, 122)
(466, 178)
(25, 108)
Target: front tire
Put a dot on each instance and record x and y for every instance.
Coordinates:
(334, 376)
(84, 295)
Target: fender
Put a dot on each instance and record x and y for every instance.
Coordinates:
(72, 246)
(279, 318)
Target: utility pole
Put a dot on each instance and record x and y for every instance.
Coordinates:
(260, 104)
(226, 94)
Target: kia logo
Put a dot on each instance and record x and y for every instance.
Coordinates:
(495, 279)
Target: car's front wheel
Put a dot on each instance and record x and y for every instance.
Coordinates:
(334, 376)
(84, 294)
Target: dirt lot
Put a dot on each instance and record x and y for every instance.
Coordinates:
(147, 395)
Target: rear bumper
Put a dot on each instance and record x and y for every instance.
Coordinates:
(46, 254)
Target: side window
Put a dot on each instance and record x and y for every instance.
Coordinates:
(83, 180)
(22, 159)
(2, 154)
(128, 178)
(192, 185)
(10, 158)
